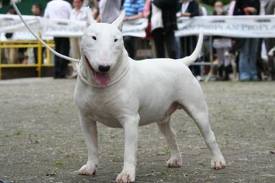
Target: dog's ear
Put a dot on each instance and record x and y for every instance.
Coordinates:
(119, 21)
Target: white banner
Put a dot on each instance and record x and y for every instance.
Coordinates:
(135, 28)
(48, 28)
(12, 23)
(228, 26)
(61, 28)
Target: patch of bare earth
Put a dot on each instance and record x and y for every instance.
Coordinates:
(41, 141)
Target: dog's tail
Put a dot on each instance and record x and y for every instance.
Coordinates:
(188, 60)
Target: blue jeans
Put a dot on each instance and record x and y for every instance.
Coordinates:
(248, 59)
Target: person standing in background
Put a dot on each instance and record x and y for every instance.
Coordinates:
(59, 9)
(11, 54)
(270, 7)
(133, 10)
(231, 7)
(222, 46)
(79, 13)
(109, 10)
(164, 24)
(93, 4)
(189, 8)
(270, 43)
(37, 11)
(249, 46)
(203, 10)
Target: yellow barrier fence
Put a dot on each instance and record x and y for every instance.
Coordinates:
(10, 44)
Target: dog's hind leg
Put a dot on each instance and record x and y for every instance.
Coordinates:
(89, 128)
(195, 105)
(175, 160)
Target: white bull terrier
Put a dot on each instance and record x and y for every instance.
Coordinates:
(119, 92)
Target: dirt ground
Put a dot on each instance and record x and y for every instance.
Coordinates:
(41, 141)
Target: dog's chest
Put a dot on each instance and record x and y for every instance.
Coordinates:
(105, 108)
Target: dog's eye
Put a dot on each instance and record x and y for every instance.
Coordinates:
(94, 38)
(115, 40)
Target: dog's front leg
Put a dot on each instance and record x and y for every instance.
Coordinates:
(89, 129)
(128, 173)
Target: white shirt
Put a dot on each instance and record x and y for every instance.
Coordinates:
(231, 8)
(58, 9)
(109, 10)
(263, 4)
(203, 10)
(184, 6)
(156, 19)
(84, 14)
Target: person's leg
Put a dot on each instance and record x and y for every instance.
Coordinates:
(243, 61)
(74, 47)
(178, 47)
(270, 44)
(57, 62)
(170, 42)
(64, 50)
(220, 58)
(129, 43)
(75, 52)
(12, 55)
(227, 66)
(271, 64)
(159, 42)
(67, 53)
(253, 57)
(192, 41)
(35, 55)
(187, 51)
(184, 46)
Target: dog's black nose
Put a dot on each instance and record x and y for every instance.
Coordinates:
(103, 68)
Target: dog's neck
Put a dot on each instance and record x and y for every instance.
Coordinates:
(119, 71)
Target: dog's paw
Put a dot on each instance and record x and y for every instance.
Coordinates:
(218, 163)
(87, 169)
(174, 162)
(125, 177)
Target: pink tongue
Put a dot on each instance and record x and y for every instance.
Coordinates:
(102, 79)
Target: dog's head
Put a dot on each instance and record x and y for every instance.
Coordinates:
(101, 47)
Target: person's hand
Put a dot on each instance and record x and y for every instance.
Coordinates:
(98, 18)
(250, 10)
(126, 18)
(185, 14)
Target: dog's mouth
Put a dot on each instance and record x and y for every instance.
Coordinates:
(102, 79)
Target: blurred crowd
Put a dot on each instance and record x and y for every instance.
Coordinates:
(248, 56)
